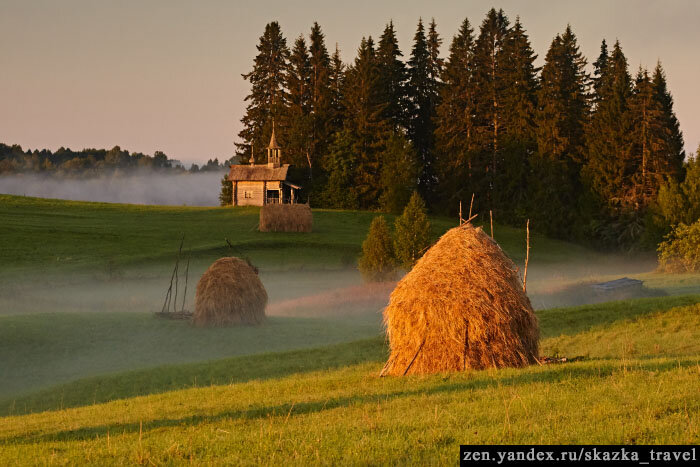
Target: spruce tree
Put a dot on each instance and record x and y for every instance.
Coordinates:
(299, 122)
(518, 105)
(363, 118)
(648, 141)
(321, 96)
(267, 101)
(336, 82)
(610, 169)
(674, 136)
(554, 187)
(599, 69)
(435, 63)
(424, 68)
(226, 193)
(392, 79)
(411, 232)
(454, 129)
(377, 263)
(488, 91)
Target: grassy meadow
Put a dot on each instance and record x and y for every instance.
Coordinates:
(88, 374)
(638, 383)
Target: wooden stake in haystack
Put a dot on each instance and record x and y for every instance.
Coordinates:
(461, 307)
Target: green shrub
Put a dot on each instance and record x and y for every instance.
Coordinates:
(680, 252)
(412, 232)
(378, 262)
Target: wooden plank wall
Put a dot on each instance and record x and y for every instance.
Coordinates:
(255, 193)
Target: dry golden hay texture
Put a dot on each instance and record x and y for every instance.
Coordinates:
(286, 218)
(461, 307)
(229, 293)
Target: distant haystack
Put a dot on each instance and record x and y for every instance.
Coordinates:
(229, 293)
(461, 307)
(286, 218)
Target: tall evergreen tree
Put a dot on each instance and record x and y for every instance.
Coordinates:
(674, 136)
(610, 167)
(363, 117)
(336, 81)
(488, 91)
(561, 117)
(648, 138)
(321, 95)
(392, 78)
(423, 72)
(455, 123)
(435, 63)
(518, 105)
(599, 69)
(267, 100)
(299, 121)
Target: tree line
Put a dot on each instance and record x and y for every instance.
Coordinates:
(582, 154)
(65, 162)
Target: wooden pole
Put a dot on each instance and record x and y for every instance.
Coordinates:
(187, 275)
(471, 205)
(177, 271)
(466, 345)
(527, 255)
(414, 357)
(491, 216)
(461, 221)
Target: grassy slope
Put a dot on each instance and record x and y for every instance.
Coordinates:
(322, 404)
(79, 257)
(69, 235)
(605, 325)
(59, 347)
(639, 385)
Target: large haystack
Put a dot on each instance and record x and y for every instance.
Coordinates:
(286, 218)
(229, 293)
(461, 307)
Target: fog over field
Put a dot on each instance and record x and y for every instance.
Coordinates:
(143, 187)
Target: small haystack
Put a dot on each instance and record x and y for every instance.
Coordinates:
(461, 307)
(286, 218)
(229, 293)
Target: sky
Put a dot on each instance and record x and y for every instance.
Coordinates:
(165, 75)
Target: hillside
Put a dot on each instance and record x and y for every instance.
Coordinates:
(105, 267)
(45, 233)
(634, 385)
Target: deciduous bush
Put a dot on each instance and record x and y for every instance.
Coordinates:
(680, 252)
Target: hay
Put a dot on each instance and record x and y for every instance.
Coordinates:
(461, 307)
(286, 218)
(229, 293)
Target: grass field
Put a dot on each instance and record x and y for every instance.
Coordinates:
(44, 233)
(639, 383)
(88, 375)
